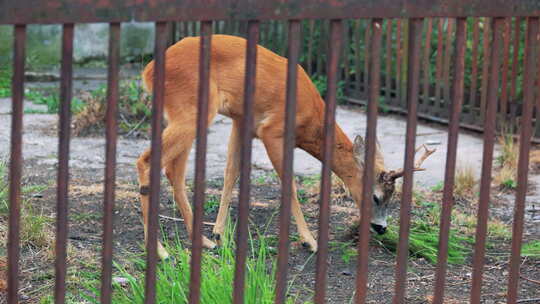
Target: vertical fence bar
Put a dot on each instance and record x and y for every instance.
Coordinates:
(334, 47)
(446, 68)
(200, 162)
(448, 198)
(345, 71)
(63, 163)
(388, 64)
(485, 68)
(288, 148)
(15, 164)
(413, 79)
(531, 53)
(110, 161)
(426, 71)
(474, 73)
(310, 47)
(515, 57)
(399, 52)
(487, 161)
(368, 178)
(504, 74)
(367, 34)
(357, 65)
(155, 160)
(246, 135)
(439, 64)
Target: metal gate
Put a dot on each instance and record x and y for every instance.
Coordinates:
(23, 12)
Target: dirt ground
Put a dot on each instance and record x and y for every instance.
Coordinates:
(37, 269)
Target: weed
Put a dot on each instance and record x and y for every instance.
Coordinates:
(464, 182)
(507, 161)
(34, 225)
(531, 249)
(217, 273)
(133, 105)
(424, 241)
(438, 187)
(5, 82)
(212, 204)
(52, 100)
(320, 82)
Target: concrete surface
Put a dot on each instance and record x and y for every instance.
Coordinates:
(40, 144)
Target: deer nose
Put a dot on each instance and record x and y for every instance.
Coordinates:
(378, 228)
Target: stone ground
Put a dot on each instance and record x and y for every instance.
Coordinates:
(40, 143)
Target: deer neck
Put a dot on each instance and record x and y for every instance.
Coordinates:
(343, 164)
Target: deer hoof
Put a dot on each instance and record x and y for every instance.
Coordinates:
(208, 244)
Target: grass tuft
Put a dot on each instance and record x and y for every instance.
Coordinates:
(507, 161)
(464, 182)
(531, 250)
(217, 273)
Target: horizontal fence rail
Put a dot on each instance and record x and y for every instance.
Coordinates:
(382, 63)
(78, 11)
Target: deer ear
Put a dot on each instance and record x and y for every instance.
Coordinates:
(359, 150)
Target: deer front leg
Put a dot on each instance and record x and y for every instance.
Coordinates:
(274, 148)
(232, 171)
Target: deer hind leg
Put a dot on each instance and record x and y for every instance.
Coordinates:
(274, 147)
(176, 174)
(232, 171)
(176, 143)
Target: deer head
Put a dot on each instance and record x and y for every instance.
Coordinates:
(384, 186)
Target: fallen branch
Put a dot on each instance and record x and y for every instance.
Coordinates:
(181, 220)
(530, 280)
(531, 300)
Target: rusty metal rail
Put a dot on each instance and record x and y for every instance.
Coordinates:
(412, 91)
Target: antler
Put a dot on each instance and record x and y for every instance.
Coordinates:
(399, 173)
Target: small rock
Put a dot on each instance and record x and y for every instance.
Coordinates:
(37, 195)
(433, 142)
(346, 272)
(120, 280)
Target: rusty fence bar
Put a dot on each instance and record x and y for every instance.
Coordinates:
(415, 45)
(531, 53)
(63, 163)
(334, 45)
(287, 165)
(155, 161)
(449, 175)
(246, 135)
(487, 161)
(368, 178)
(110, 161)
(426, 71)
(200, 162)
(474, 70)
(15, 166)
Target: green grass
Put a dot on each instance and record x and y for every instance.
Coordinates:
(212, 204)
(5, 82)
(34, 224)
(217, 272)
(531, 250)
(424, 241)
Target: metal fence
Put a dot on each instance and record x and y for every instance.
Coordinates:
(23, 12)
(438, 40)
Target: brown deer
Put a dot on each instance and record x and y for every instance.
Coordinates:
(227, 70)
